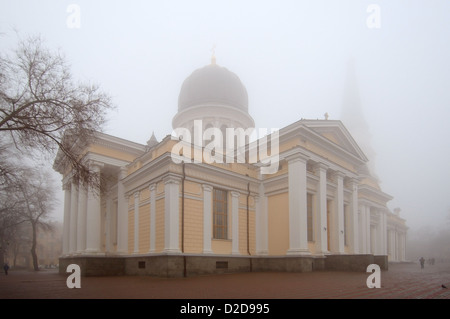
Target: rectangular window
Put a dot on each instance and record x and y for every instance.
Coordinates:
(309, 210)
(220, 214)
(221, 264)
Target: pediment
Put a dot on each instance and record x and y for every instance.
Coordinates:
(336, 133)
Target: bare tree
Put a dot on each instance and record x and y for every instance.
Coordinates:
(42, 108)
(37, 192)
(11, 205)
(19, 243)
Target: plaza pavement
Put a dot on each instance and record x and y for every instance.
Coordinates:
(401, 281)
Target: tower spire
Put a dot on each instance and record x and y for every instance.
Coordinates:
(213, 57)
(352, 115)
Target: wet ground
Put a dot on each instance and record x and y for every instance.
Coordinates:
(401, 281)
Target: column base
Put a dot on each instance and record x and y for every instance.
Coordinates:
(121, 252)
(262, 252)
(93, 252)
(171, 251)
(298, 252)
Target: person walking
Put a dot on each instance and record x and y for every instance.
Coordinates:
(6, 268)
(422, 262)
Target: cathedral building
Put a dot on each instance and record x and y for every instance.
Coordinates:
(161, 212)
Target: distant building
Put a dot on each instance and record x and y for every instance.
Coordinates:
(48, 248)
(320, 209)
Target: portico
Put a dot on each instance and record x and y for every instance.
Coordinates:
(153, 215)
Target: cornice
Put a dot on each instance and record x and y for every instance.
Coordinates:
(103, 159)
(226, 111)
(313, 157)
(149, 173)
(364, 189)
(118, 143)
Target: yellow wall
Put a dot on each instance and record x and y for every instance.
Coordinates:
(286, 146)
(159, 245)
(131, 231)
(278, 219)
(191, 188)
(221, 246)
(193, 226)
(144, 228)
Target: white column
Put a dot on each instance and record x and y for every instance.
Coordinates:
(261, 220)
(397, 245)
(73, 217)
(207, 218)
(152, 217)
(298, 238)
(340, 212)
(402, 246)
(261, 225)
(362, 228)
(353, 220)
(379, 236)
(258, 230)
(392, 239)
(235, 223)
(108, 223)
(321, 225)
(368, 230)
(66, 227)
(388, 242)
(81, 220)
(122, 214)
(171, 214)
(384, 233)
(93, 220)
(136, 222)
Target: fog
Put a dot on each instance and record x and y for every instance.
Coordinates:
(386, 66)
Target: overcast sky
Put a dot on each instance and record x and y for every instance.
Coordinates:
(292, 56)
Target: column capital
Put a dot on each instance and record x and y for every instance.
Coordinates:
(136, 194)
(95, 166)
(74, 181)
(353, 181)
(123, 171)
(207, 188)
(152, 187)
(297, 157)
(338, 174)
(320, 167)
(171, 180)
(235, 194)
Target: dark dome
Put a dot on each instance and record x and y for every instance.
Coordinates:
(215, 84)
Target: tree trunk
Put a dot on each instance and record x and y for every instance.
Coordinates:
(2, 249)
(33, 249)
